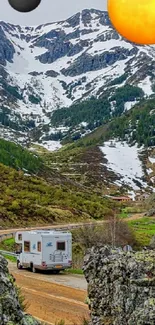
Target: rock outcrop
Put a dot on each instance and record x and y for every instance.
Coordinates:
(10, 309)
(87, 62)
(6, 48)
(121, 286)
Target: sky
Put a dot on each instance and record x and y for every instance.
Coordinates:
(48, 11)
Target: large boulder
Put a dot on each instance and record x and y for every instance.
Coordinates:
(10, 310)
(121, 286)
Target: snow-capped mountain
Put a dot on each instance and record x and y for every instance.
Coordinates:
(47, 67)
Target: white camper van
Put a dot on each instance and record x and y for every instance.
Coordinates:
(44, 250)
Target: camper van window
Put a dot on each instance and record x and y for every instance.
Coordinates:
(26, 246)
(19, 236)
(39, 246)
(61, 246)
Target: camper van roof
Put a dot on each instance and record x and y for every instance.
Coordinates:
(47, 232)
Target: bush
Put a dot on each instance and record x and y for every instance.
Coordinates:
(150, 202)
(114, 232)
(23, 304)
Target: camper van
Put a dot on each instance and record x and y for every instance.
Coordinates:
(44, 250)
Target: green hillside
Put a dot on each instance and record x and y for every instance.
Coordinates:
(29, 200)
(19, 158)
(90, 114)
(136, 125)
(97, 111)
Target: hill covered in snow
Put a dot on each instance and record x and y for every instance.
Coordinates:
(55, 65)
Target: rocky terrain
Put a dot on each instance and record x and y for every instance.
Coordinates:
(10, 309)
(121, 286)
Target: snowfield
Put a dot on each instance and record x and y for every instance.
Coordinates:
(124, 161)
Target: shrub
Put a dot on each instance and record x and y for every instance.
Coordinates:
(114, 232)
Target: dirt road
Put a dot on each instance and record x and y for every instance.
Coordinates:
(13, 230)
(53, 297)
(70, 280)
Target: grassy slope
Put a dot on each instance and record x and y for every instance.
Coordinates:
(83, 165)
(29, 200)
(15, 156)
(144, 229)
(46, 198)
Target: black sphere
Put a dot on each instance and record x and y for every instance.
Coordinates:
(24, 5)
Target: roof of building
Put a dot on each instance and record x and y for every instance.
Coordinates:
(120, 197)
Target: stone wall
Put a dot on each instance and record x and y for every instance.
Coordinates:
(10, 309)
(121, 286)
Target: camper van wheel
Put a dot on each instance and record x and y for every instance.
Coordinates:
(33, 269)
(19, 266)
(56, 271)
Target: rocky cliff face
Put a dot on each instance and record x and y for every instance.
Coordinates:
(121, 286)
(10, 310)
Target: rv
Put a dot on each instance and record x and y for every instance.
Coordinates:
(44, 250)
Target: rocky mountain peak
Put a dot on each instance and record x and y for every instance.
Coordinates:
(54, 65)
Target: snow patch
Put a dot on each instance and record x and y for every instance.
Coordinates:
(129, 105)
(50, 145)
(124, 161)
(149, 171)
(146, 86)
(152, 160)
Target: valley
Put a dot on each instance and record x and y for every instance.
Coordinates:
(60, 296)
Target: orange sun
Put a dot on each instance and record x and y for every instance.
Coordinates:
(134, 19)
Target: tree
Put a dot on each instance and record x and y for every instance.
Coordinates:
(150, 202)
(114, 232)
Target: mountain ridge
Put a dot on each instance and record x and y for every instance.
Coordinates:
(53, 65)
